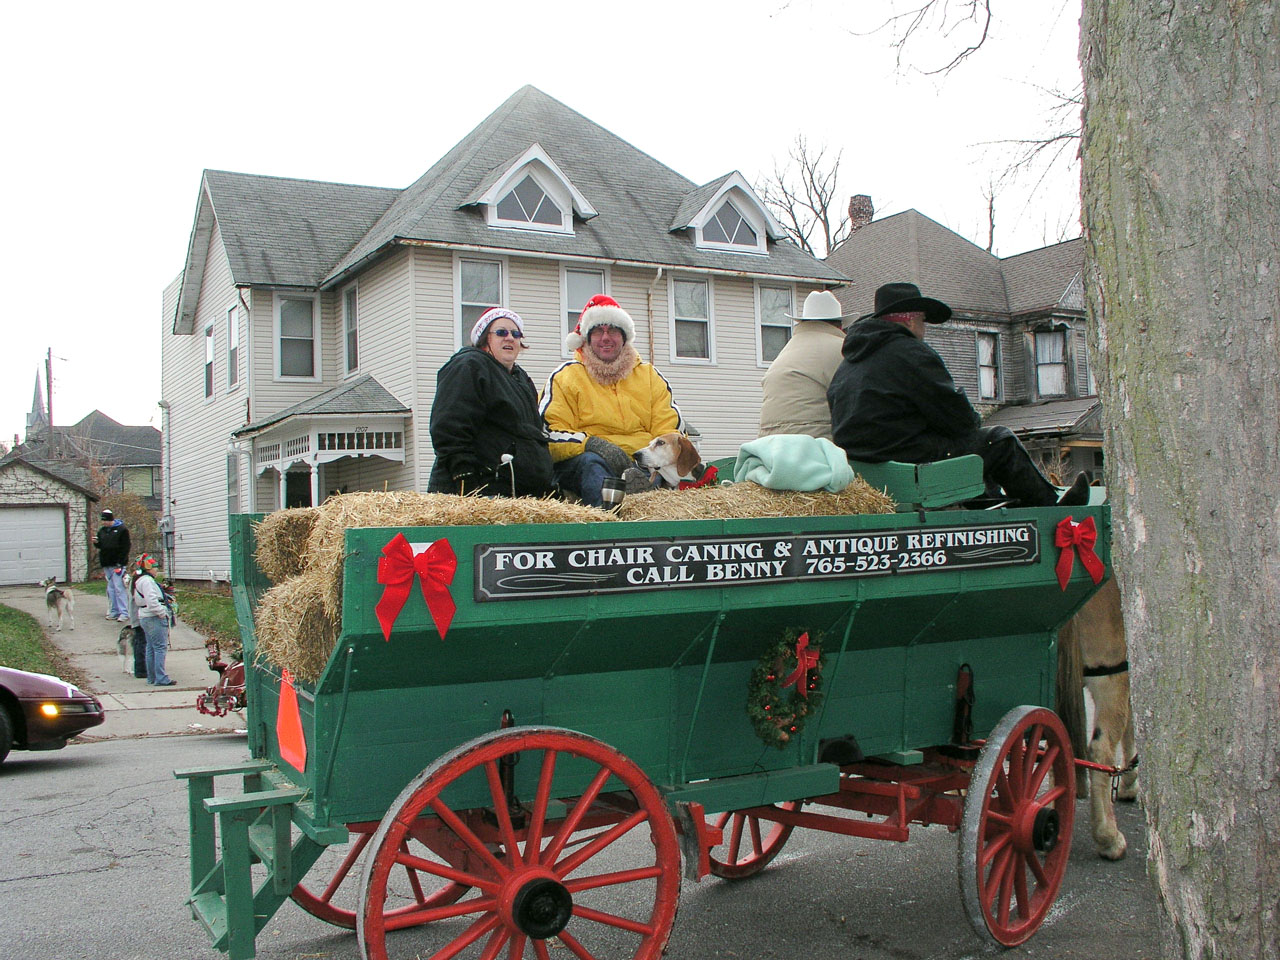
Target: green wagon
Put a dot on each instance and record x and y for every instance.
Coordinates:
(532, 732)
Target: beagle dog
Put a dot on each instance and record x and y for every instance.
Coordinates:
(675, 459)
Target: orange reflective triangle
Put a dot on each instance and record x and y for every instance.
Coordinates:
(293, 745)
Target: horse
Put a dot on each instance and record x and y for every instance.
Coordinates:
(1092, 658)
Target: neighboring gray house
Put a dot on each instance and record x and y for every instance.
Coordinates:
(1016, 342)
(300, 343)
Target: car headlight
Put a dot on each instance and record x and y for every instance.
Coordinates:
(49, 709)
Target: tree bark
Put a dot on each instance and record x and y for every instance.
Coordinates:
(1181, 201)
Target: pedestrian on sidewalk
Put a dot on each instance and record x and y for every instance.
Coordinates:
(113, 545)
(147, 609)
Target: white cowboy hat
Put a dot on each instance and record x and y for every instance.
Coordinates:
(820, 305)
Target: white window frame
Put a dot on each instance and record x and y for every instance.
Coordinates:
(759, 284)
(278, 302)
(710, 359)
(208, 362)
(504, 284)
(1065, 362)
(999, 365)
(566, 306)
(233, 347)
(552, 187)
(352, 292)
(749, 212)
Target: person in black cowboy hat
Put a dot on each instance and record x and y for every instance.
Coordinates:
(892, 398)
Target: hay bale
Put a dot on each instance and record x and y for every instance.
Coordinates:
(282, 542)
(744, 501)
(291, 628)
(326, 546)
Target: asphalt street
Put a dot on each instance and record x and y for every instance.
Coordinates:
(93, 865)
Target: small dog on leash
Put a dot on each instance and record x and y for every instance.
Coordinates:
(59, 602)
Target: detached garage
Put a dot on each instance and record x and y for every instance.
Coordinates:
(44, 525)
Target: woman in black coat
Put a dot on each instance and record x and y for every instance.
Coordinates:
(486, 408)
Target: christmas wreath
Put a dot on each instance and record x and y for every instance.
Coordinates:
(785, 687)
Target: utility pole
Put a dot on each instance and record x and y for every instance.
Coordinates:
(48, 390)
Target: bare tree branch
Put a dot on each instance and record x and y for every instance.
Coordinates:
(948, 20)
(802, 195)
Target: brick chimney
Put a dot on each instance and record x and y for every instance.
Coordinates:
(861, 210)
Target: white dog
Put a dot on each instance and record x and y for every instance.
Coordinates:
(59, 602)
(673, 457)
(124, 649)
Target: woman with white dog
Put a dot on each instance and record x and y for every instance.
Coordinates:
(147, 610)
(485, 427)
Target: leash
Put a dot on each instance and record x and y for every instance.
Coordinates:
(1115, 773)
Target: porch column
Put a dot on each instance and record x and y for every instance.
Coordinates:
(315, 484)
(282, 474)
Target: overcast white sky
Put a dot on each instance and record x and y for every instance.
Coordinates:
(111, 112)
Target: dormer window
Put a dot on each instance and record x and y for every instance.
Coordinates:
(728, 226)
(529, 203)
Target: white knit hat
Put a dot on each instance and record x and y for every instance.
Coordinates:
(600, 311)
(486, 318)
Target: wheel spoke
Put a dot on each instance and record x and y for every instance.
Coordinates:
(575, 815)
(416, 864)
(406, 917)
(469, 936)
(497, 940)
(464, 834)
(516, 950)
(540, 949)
(344, 868)
(1031, 754)
(1037, 868)
(735, 839)
(1020, 885)
(609, 919)
(1005, 889)
(1044, 765)
(756, 846)
(503, 812)
(532, 847)
(993, 848)
(574, 945)
(612, 879)
(619, 830)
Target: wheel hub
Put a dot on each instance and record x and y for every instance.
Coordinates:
(1044, 832)
(542, 908)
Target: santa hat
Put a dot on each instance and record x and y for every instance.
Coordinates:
(600, 311)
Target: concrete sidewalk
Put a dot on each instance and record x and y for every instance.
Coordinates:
(133, 709)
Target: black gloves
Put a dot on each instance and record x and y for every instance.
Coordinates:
(615, 458)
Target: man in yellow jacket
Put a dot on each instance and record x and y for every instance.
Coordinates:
(605, 404)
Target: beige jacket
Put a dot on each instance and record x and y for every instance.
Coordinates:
(795, 388)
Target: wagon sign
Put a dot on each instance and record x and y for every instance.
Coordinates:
(516, 571)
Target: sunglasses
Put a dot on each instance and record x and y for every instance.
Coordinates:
(501, 332)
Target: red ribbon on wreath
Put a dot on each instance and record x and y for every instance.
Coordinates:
(806, 660)
(1070, 538)
(434, 568)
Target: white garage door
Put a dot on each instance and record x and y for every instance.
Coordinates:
(33, 544)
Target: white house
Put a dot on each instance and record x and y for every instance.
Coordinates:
(302, 339)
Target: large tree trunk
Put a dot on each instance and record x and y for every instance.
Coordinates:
(1181, 198)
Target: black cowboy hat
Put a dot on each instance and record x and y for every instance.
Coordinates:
(905, 298)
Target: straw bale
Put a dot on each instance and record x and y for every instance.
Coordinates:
(282, 542)
(291, 628)
(325, 547)
(747, 500)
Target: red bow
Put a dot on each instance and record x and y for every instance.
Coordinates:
(806, 660)
(1070, 537)
(708, 475)
(435, 568)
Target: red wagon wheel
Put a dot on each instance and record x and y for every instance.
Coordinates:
(599, 870)
(730, 861)
(336, 902)
(1015, 836)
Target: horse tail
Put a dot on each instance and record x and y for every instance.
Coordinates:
(1070, 695)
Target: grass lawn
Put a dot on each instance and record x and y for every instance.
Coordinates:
(23, 645)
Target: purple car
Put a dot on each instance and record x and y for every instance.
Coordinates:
(39, 712)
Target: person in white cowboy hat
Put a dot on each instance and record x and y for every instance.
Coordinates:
(485, 428)
(605, 404)
(892, 398)
(795, 387)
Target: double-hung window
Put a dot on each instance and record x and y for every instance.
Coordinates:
(692, 319)
(988, 366)
(296, 338)
(481, 289)
(208, 360)
(233, 347)
(351, 330)
(579, 286)
(1051, 363)
(775, 303)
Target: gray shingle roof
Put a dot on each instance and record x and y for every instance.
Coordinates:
(1049, 416)
(363, 396)
(1040, 279)
(695, 200)
(95, 438)
(77, 478)
(636, 196)
(290, 232)
(908, 246)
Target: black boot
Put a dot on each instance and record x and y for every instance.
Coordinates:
(1076, 495)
